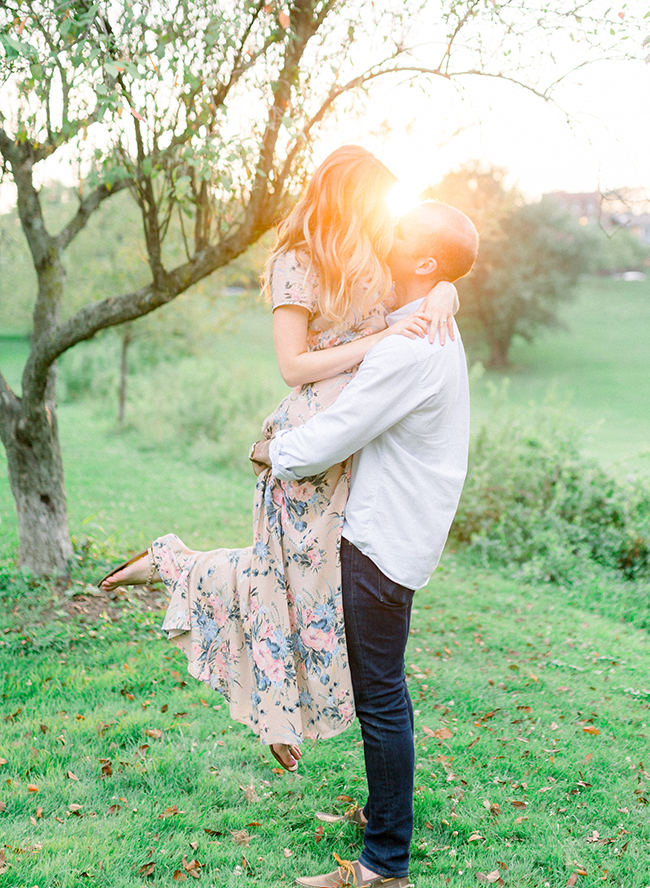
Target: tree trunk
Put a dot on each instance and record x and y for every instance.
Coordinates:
(498, 359)
(127, 336)
(36, 478)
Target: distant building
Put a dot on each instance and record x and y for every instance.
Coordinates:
(626, 208)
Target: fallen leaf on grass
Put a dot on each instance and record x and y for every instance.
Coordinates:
(194, 846)
(168, 812)
(573, 878)
(4, 866)
(192, 868)
(3, 761)
(590, 729)
(71, 776)
(344, 798)
(517, 804)
(249, 792)
(212, 832)
(443, 734)
(318, 834)
(587, 758)
(39, 812)
(75, 809)
(287, 852)
(113, 809)
(476, 837)
(519, 820)
(31, 787)
(492, 807)
(179, 876)
(147, 869)
(156, 733)
(241, 837)
(491, 878)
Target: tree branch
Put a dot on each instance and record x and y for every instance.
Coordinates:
(87, 207)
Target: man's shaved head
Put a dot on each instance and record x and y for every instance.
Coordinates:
(434, 229)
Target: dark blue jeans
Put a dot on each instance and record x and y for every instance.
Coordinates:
(377, 617)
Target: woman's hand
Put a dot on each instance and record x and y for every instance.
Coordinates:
(412, 326)
(439, 307)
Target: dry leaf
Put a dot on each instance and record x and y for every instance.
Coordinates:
(249, 792)
(442, 734)
(31, 787)
(520, 819)
(194, 846)
(71, 776)
(517, 804)
(113, 809)
(590, 729)
(44, 729)
(179, 876)
(192, 868)
(4, 866)
(318, 835)
(32, 820)
(147, 869)
(287, 852)
(241, 836)
(476, 837)
(3, 761)
(156, 733)
(573, 878)
(168, 812)
(39, 812)
(587, 758)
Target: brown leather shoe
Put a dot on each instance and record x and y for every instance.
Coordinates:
(348, 875)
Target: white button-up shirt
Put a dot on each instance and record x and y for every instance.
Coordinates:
(405, 417)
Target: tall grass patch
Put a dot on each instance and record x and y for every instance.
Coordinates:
(533, 501)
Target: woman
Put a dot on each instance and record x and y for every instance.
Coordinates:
(264, 625)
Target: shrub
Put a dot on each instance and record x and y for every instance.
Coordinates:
(533, 501)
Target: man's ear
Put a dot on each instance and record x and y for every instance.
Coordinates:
(426, 266)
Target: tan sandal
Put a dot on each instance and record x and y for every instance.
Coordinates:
(124, 564)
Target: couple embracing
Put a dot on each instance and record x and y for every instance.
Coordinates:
(360, 469)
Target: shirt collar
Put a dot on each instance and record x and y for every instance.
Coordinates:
(402, 312)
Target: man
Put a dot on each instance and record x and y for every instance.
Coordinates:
(405, 417)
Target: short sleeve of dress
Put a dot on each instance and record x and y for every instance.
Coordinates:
(291, 285)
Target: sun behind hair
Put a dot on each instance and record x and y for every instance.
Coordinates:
(343, 224)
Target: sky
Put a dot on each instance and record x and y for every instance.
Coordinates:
(595, 137)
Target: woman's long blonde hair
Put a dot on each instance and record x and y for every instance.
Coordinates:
(343, 224)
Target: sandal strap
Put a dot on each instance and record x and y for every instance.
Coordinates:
(153, 567)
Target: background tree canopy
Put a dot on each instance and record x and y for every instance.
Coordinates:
(203, 113)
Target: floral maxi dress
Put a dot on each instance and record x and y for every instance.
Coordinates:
(263, 625)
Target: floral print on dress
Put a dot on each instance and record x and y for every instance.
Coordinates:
(263, 625)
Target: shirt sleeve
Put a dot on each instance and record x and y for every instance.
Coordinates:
(291, 285)
(386, 388)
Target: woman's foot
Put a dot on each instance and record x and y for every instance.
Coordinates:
(286, 754)
(139, 571)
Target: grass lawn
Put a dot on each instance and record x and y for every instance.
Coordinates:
(532, 725)
(598, 367)
(532, 702)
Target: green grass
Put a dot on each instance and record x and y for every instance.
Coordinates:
(511, 675)
(513, 672)
(599, 366)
